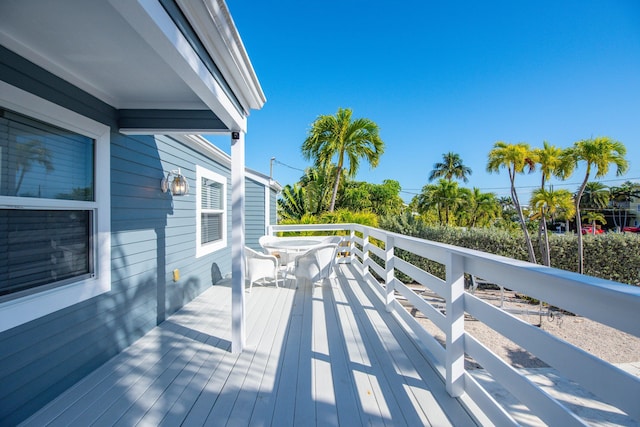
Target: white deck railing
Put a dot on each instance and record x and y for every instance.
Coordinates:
(610, 303)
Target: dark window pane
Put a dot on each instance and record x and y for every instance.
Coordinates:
(43, 161)
(211, 227)
(40, 247)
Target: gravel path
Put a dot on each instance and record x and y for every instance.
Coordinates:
(602, 341)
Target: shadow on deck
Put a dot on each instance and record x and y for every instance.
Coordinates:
(320, 355)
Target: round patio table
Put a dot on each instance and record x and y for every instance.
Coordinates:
(293, 244)
(289, 248)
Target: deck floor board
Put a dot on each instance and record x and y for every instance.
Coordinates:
(323, 354)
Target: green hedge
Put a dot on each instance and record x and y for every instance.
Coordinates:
(609, 256)
(613, 256)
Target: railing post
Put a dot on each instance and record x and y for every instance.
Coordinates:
(365, 252)
(352, 238)
(454, 360)
(389, 263)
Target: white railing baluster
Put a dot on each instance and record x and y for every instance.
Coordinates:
(352, 238)
(454, 297)
(365, 252)
(389, 263)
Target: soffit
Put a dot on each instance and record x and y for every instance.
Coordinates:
(89, 44)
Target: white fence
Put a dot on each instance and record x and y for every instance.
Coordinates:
(604, 301)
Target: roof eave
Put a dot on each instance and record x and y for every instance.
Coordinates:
(212, 22)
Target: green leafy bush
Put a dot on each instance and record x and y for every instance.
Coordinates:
(612, 256)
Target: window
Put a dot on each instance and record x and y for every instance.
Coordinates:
(54, 207)
(211, 221)
(41, 247)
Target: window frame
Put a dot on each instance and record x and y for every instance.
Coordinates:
(203, 249)
(37, 303)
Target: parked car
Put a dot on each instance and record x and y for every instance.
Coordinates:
(587, 229)
(631, 229)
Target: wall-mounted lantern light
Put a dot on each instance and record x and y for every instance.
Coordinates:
(178, 185)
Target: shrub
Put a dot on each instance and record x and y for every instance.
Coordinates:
(612, 256)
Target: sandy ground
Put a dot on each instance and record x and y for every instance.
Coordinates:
(602, 341)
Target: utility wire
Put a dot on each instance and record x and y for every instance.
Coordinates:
(519, 187)
(278, 162)
(416, 191)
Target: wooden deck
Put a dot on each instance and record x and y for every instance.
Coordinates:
(323, 355)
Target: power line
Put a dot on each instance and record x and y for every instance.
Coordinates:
(288, 166)
(416, 191)
(523, 187)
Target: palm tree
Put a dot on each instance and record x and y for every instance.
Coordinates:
(596, 196)
(317, 183)
(552, 163)
(292, 203)
(599, 153)
(480, 209)
(444, 197)
(515, 158)
(450, 167)
(548, 204)
(592, 217)
(348, 140)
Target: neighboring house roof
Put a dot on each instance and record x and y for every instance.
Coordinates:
(166, 65)
(207, 148)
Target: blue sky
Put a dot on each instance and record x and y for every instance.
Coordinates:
(443, 76)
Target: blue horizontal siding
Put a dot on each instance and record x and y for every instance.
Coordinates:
(273, 212)
(153, 233)
(254, 213)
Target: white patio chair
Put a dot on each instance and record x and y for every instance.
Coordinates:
(284, 258)
(260, 266)
(316, 264)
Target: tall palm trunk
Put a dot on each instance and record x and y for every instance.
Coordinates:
(579, 222)
(334, 195)
(615, 214)
(543, 239)
(546, 250)
(516, 202)
(543, 235)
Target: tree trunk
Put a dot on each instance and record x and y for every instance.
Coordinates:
(516, 202)
(545, 251)
(335, 190)
(542, 240)
(579, 222)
